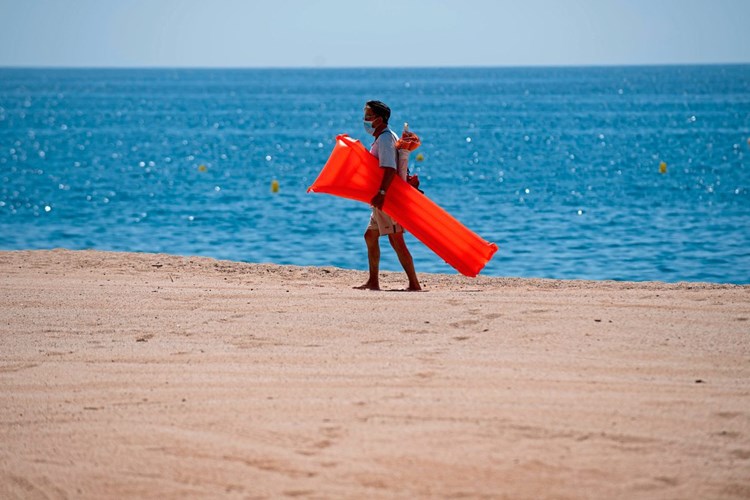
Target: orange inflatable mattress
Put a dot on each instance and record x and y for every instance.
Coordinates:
(352, 172)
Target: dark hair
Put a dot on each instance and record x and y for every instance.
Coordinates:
(380, 109)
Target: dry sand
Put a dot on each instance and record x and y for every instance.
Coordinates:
(155, 376)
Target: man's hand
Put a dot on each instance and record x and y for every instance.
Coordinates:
(377, 201)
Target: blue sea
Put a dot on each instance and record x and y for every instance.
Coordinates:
(559, 166)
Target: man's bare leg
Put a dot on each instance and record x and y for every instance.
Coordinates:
(373, 260)
(404, 257)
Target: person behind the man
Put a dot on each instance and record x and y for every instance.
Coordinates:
(384, 148)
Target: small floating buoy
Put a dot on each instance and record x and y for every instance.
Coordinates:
(662, 168)
(202, 168)
(420, 156)
(274, 186)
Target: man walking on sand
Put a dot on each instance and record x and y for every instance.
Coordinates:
(384, 148)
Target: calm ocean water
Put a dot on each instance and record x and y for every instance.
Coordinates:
(558, 166)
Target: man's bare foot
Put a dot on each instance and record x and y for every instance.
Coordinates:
(414, 285)
(368, 286)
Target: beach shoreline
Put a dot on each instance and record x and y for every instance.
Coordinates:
(151, 375)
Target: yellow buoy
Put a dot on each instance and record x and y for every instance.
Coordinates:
(420, 157)
(662, 168)
(274, 186)
(202, 168)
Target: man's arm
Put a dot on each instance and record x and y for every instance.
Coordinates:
(379, 198)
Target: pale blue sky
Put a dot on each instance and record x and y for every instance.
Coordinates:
(283, 33)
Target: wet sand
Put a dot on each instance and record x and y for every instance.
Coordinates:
(155, 376)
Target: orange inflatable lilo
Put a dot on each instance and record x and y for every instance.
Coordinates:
(352, 172)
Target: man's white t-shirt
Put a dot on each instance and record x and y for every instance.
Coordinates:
(384, 149)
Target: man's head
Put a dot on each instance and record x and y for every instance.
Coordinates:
(377, 109)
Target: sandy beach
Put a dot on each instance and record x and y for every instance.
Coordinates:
(155, 376)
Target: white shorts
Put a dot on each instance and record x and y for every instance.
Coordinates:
(383, 223)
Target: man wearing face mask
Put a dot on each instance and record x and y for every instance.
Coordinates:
(384, 148)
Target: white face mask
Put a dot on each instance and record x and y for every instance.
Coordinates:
(369, 128)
